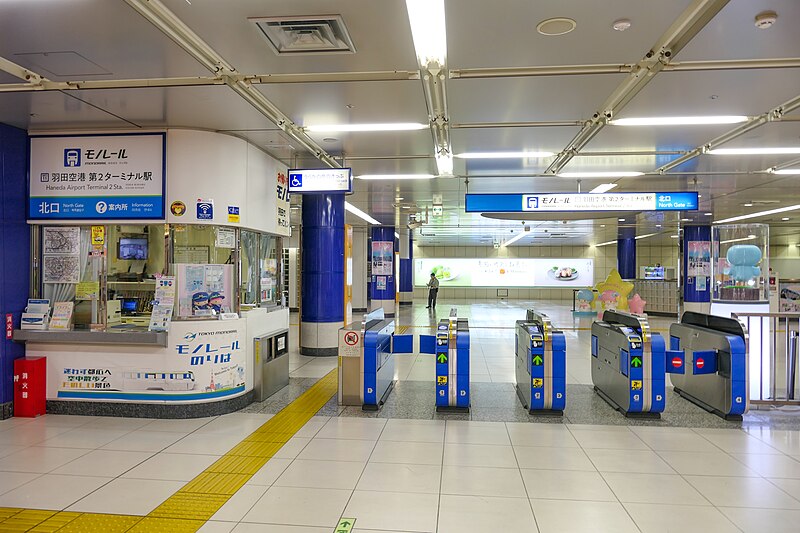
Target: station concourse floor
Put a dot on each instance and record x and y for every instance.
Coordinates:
(408, 469)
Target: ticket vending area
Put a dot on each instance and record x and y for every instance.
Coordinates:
(366, 363)
(628, 365)
(452, 364)
(708, 360)
(541, 365)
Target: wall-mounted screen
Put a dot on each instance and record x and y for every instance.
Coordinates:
(653, 272)
(134, 248)
(506, 272)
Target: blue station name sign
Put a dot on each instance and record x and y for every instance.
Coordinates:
(561, 202)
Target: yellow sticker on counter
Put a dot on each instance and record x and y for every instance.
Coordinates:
(87, 290)
(636, 384)
(538, 383)
(98, 235)
(441, 380)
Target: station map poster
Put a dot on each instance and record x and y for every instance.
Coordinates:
(97, 177)
(506, 272)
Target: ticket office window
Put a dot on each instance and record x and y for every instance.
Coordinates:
(260, 273)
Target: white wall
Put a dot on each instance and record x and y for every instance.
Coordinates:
(785, 260)
(605, 258)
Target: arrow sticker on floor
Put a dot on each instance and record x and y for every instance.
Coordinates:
(345, 525)
(442, 358)
(636, 362)
(537, 361)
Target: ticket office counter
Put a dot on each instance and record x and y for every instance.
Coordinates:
(109, 363)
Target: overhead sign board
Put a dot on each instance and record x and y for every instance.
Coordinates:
(91, 177)
(561, 202)
(313, 180)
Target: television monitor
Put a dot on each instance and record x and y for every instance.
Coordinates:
(132, 248)
(129, 305)
(654, 272)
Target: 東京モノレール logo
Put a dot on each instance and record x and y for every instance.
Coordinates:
(190, 336)
(530, 203)
(72, 157)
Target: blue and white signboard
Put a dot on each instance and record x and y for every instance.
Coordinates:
(623, 201)
(91, 177)
(314, 180)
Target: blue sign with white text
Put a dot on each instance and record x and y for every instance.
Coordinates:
(77, 207)
(572, 202)
(205, 211)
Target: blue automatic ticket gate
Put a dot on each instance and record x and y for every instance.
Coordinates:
(541, 365)
(708, 361)
(366, 363)
(452, 364)
(628, 366)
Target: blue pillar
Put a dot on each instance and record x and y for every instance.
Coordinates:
(696, 288)
(382, 289)
(15, 246)
(626, 253)
(322, 306)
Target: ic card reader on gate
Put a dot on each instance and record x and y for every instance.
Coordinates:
(541, 366)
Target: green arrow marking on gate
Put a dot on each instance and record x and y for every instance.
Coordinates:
(537, 360)
(345, 525)
(442, 358)
(636, 362)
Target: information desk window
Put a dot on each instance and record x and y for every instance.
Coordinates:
(104, 278)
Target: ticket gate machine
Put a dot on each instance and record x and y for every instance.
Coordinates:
(541, 365)
(366, 363)
(452, 364)
(628, 365)
(708, 361)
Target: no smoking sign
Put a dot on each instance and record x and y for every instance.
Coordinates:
(351, 338)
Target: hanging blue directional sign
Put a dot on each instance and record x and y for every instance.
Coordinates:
(560, 202)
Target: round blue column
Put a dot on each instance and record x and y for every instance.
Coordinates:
(322, 306)
(382, 291)
(626, 253)
(696, 242)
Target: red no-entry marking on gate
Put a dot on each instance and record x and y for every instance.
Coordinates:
(676, 362)
(351, 339)
(700, 362)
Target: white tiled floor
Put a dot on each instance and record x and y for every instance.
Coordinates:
(402, 476)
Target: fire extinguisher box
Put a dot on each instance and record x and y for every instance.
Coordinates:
(30, 379)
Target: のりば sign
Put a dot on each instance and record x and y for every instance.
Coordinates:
(91, 177)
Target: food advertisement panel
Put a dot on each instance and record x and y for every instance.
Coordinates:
(506, 272)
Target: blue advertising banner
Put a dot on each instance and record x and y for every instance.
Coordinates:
(95, 177)
(561, 202)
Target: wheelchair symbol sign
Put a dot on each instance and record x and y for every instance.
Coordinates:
(295, 180)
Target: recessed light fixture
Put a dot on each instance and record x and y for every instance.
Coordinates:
(330, 139)
(621, 219)
(341, 128)
(708, 214)
(399, 198)
(674, 236)
(556, 26)
(759, 214)
(747, 205)
(678, 121)
(756, 151)
(428, 30)
(603, 187)
(658, 225)
(602, 225)
(621, 24)
(785, 219)
(686, 220)
(360, 214)
(787, 171)
(619, 174)
(503, 155)
(395, 177)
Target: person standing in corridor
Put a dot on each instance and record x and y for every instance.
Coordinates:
(433, 290)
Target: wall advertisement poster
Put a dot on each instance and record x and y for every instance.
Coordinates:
(382, 258)
(506, 272)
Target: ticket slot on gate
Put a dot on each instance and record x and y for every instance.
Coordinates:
(541, 366)
(714, 373)
(452, 364)
(628, 365)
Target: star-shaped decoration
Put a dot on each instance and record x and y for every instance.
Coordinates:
(614, 292)
(636, 304)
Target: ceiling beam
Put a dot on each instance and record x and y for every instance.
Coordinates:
(773, 115)
(688, 24)
(19, 72)
(169, 23)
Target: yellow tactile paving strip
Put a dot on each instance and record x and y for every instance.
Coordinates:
(188, 509)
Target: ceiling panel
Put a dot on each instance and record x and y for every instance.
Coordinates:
(109, 35)
(53, 110)
(488, 34)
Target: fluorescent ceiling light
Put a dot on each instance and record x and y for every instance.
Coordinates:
(396, 177)
(621, 174)
(396, 235)
(759, 214)
(748, 238)
(678, 121)
(514, 239)
(605, 244)
(674, 236)
(755, 151)
(603, 187)
(503, 155)
(428, 31)
(787, 171)
(339, 128)
(444, 164)
(360, 214)
(645, 236)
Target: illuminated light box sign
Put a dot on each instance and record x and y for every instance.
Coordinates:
(314, 180)
(623, 201)
(506, 272)
(91, 177)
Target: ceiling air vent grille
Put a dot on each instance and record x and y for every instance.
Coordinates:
(324, 34)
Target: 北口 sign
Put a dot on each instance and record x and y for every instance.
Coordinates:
(633, 201)
(320, 180)
(92, 177)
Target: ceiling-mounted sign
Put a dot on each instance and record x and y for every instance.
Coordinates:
(312, 180)
(90, 177)
(623, 201)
